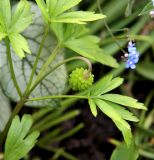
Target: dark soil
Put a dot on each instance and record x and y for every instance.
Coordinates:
(91, 143)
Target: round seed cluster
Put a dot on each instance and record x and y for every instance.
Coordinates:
(81, 79)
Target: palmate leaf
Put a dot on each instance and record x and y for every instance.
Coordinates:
(65, 32)
(112, 105)
(56, 11)
(99, 88)
(11, 26)
(108, 83)
(87, 47)
(21, 17)
(124, 113)
(92, 107)
(19, 44)
(111, 112)
(125, 128)
(123, 100)
(19, 142)
(5, 13)
(78, 39)
(79, 17)
(42, 5)
(56, 7)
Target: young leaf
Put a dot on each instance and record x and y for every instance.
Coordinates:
(75, 31)
(123, 100)
(78, 39)
(19, 44)
(146, 9)
(92, 107)
(5, 13)
(116, 82)
(88, 47)
(11, 26)
(57, 7)
(107, 85)
(56, 11)
(106, 59)
(42, 5)
(22, 17)
(124, 152)
(122, 125)
(79, 17)
(146, 69)
(125, 114)
(108, 110)
(101, 86)
(19, 142)
(125, 128)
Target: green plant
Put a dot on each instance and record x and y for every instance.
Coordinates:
(67, 29)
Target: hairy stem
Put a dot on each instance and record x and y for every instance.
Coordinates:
(7, 42)
(57, 96)
(21, 103)
(37, 59)
(44, 68)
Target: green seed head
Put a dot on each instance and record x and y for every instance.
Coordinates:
(81, 79)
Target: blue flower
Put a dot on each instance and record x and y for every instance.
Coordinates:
(153, 2)
(132, 57)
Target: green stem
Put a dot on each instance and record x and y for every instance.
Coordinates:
(21, 103)
(51, 149)
(58, 65)
(59, 138)
(48, 117)
(147, 154)
(45, 66)
(37, 59)
(108, 28)
(7, 42)
(57, 96)
(56, 121)
(51, 135)
(40, 113)
(143, 113)
(39, 78)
